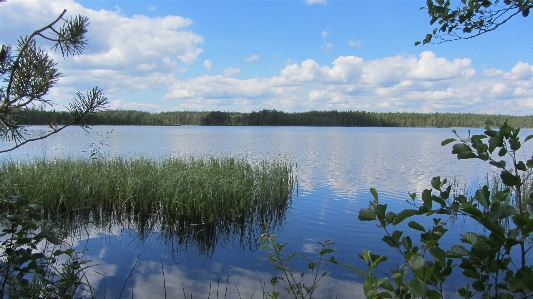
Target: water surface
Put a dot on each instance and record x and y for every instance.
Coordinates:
(335, 168)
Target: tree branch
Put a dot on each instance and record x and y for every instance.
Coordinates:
(16, 64)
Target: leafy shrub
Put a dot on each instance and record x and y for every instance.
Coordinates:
(495, 262)
(29, 267)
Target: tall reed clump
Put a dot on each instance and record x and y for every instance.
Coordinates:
(200, 201)
(201, 190)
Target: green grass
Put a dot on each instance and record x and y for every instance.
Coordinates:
(202, 189)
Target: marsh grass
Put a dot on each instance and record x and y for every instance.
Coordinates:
(217, 196)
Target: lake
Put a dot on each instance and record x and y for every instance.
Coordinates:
(335, 169)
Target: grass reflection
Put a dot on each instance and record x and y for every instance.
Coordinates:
(200, 201)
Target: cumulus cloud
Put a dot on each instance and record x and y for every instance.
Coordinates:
(252, 58)
(231, 71)
(521, 71)
(208, 64)
(492, 72)
(424, 83)
(123, 105)
(124, 53)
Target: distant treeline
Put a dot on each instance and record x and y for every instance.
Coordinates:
(279, 118)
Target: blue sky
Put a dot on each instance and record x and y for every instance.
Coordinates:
(293, 55)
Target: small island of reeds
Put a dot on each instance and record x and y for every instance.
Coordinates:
(179, 196)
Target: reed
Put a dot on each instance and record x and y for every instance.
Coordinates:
(198, 189)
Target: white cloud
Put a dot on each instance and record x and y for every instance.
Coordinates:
(150, 7)
(355, 43)
(426, 83)
(252, 58)
(521, 71)
(492, 72)
(311, 2)
(124, 53)
(208, 64)
(122, 105)
(231, 71)
(326, 46)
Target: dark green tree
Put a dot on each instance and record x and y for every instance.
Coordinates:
(470, 18)
(28, 73)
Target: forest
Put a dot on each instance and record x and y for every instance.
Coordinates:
(278, 118)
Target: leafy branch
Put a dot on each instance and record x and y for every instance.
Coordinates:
(30, 73)
(471, 18)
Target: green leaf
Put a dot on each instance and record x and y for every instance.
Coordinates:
(426, 196)
(529, 163)
(326, 251)
(433, 294)
(377, 260)
(390, 217)
(374, 193)
(370, 286)
(435, 183)
(407, 243)
(424, 273)
(417, 287)
(483, 196)
(492, 225)
(500, 164)
(509, 179)
(438, 254)
(290, 256)
(380, 211)
(358, 271)
(469, 237)
(479, 286)
(463, 151)
(502, 152)
(495, 142)
(528, 137)
(404, 214)
(466, 155)
(387, 286)
(367, 215)
(447, 141)
(417, 262)
(457, 251)
(470, 209)
(486, 3)
(416, 225)
(390, 241)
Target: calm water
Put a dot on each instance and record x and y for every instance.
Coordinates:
(335, 169)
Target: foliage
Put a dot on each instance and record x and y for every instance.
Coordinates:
(279, 118)
(30, 73)
(203, 201)
(296, 284)
(495, 262)
(471, 18)
(28, 268)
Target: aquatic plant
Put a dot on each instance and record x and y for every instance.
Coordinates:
(219, 197)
